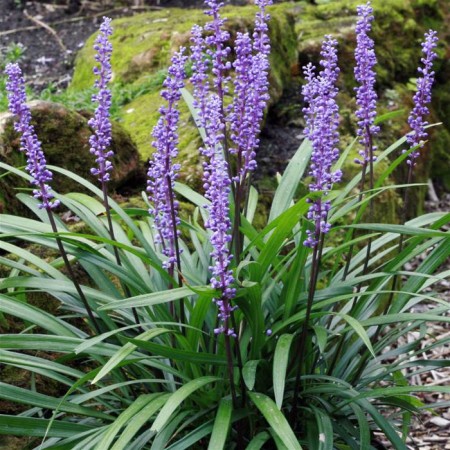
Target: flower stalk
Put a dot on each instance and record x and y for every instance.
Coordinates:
(163, 172)
(37, 167)
(366, 99)
(322, 120)
(100, 141)
(251, 94)
(416, 140)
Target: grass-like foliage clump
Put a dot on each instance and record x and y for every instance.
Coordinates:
(209, 332)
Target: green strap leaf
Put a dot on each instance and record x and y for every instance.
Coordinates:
(180, 355)
(258, 441)
(360, 331)
(177, 398)
(221, 425)
(24, 396)
(290, 180)
(125, 417)
(276, 420)
(28, 426)
(325, 427)
(249, 373)
(155, 298)
(401, 229)
(187, 442)
(285, 223)
(35, 315)
(134, 417)
(125, 351)
(280, 362)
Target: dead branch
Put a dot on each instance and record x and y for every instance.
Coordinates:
(77, 19)
(48, 28)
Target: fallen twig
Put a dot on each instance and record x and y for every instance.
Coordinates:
(77, 19)
(48, 28)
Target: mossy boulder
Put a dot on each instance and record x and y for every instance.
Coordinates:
(64, 135)
(143, 45)
(398, 29)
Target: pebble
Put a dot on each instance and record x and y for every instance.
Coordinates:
(440, 422)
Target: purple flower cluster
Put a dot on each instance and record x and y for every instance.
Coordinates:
(366, 97)
(217, 185)
(211, 54)
(239, 118)
(162, 171)
(322, 120)
(29, 143)
(422, 97)
(101, 139)
(251, 88)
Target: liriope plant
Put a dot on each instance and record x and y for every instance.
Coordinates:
(208, 332)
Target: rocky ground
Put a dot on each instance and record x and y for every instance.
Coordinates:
(51, 34)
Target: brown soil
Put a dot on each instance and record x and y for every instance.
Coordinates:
(53, 31)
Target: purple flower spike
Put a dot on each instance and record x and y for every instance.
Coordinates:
(217, 184)
(242, 86)
(260, 34)
(322, 120)
(422, 97)
(162, 172)
(101, 139)
(29, 143)
(366, 97)
(251, 86)
(199, 78)
(218, 50)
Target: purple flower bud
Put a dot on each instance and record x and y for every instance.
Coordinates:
(322, 120)
(162, 171)
(422, 97)
(366, 97)
(101, 139)
(29, 143)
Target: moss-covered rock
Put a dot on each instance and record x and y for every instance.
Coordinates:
(139, 117)
(64, 135)
(143, 45)
(398, 29)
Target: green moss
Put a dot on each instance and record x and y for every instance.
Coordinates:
(64, 135)
(141, 115)
(142, 48)
(397, 30)
(152, 33)
(144, 43)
